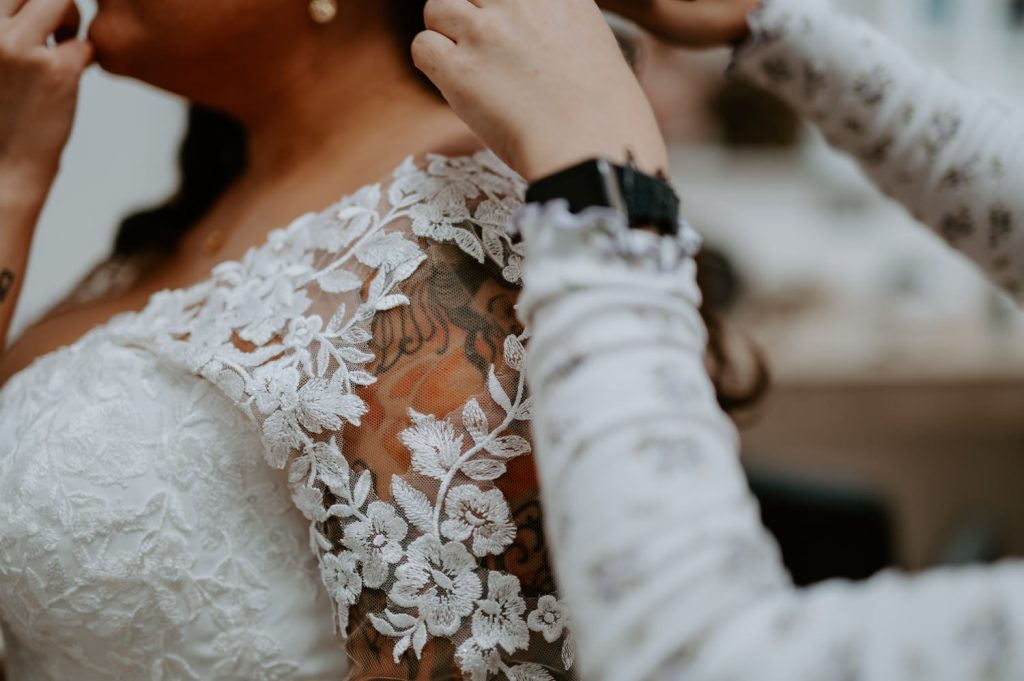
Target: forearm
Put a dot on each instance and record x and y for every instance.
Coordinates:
(654, 535)
(21, 203)
(656, 539)
(955, 159)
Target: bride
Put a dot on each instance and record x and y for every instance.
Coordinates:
(367, 351)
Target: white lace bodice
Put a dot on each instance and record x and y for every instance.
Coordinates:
(371, 353)
(141, 534)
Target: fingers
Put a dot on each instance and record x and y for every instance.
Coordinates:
(451, 18)
(8, 8)
(430, 52)
(39, 19)
(75, 55)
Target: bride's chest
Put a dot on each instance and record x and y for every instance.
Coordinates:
(96, 432)
(134, 508)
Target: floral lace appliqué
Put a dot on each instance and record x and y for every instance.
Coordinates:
(285, 333)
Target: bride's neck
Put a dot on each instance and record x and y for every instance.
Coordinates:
(360, 101)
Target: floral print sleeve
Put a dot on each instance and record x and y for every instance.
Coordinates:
(657, 540)
(955, 159)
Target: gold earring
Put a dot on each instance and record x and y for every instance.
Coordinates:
(323, 11)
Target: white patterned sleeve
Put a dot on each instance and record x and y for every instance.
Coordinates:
(657, 541)
(954, 158)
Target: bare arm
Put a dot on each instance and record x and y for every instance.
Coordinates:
(19, 212)
(38, 97)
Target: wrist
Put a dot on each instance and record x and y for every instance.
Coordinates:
(541, 156)
(24, 189)
(536, 163)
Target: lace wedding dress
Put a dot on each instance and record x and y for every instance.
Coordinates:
(332, 429)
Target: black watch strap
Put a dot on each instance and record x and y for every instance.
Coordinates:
(646, 200)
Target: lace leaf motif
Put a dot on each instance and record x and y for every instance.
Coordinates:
(252, 330)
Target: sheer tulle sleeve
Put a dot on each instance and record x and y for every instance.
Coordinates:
(656, 538)
(376, 349)
(953, 157)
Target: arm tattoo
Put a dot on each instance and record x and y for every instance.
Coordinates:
(438, 351)
(6, 283)
(451, 296)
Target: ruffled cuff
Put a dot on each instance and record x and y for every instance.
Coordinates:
(567, 252)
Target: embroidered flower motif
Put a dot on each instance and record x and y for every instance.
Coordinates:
(476, 661)
(275, 389)
(498, 620)
(440, 581)
(549, 619)
(439, 219)
(434, 445)
(250, 330)
(376, 542)
(484, 516)
(341, 577)
(302, 331)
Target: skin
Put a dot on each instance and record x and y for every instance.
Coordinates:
(507, 69)
(37, 103)
(689, 23)
(318, 127)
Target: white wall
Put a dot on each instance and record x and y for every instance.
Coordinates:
(121, 156)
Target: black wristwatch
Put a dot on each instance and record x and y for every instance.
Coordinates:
(645, 200)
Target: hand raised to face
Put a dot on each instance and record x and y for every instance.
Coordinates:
(38, 84)
(542, 82)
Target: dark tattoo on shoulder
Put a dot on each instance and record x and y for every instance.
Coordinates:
(6, 283)
(447, 300)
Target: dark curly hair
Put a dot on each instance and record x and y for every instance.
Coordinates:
(213, 155)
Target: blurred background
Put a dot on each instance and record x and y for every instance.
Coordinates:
(893, 433)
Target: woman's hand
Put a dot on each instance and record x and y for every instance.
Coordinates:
(38, 94)
(689, 23)
(38, 90)
(541, 82)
